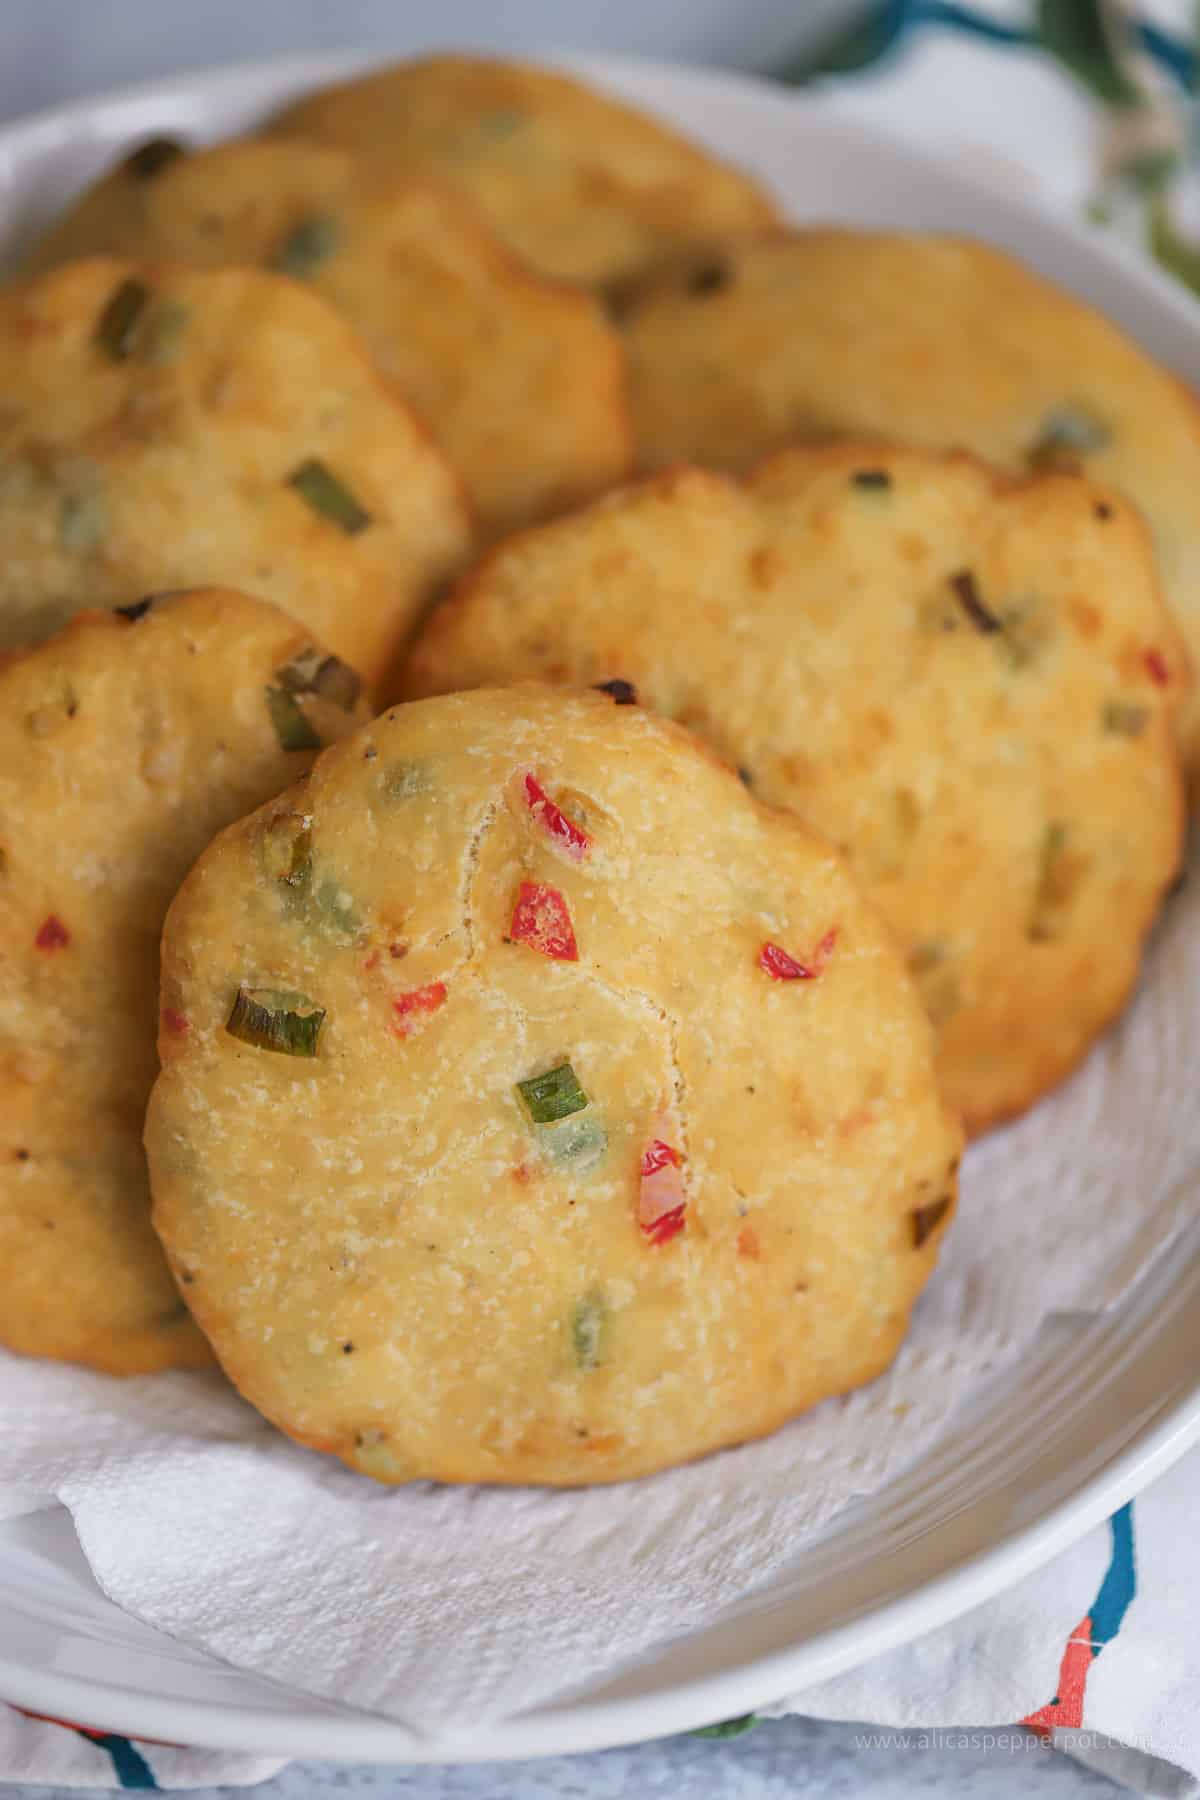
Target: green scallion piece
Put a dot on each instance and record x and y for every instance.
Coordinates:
(879, 479)
(276, 1019)
(578, 1140)
(923, 957)
(164, 332)
(405, 780)
(310, 893)
(1023, 631)
(286, 847)
(926, 1219)
(589, 1325)
(1057, 878)
(312, 672)
(312, 242)
(81, 521)
(118, 325)
(299, 870)
(150, 158)
(291, 727)
(329, 905)
(491, 127)
(321, 489)
(554, 1095)
(1068, 433)
(1123, 719)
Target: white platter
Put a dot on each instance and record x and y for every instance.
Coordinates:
(1093, 1412)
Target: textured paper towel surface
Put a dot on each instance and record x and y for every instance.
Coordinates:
(435, 1605)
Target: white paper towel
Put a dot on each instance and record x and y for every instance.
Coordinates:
(431, 1604)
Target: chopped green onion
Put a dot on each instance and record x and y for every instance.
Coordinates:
(871, 478)
(492, 126)
(898, 822)
(328, 496)
(311, 243)
(926, 1219)
(551, 1096)
(923, 957)
(276, 1019)
(1056, 883)
(937, 980)
(152, 157)
(312, 672)
(164, 329)
(81, 521)
(299, 870)
(1067, 433)
(291, 727)
(403, 780)
(119, 323)
(321, 905)
(1124, 719)
(589, 1322)
(579, 1141)
(942, 997)
(330, 906)
(1023, 630)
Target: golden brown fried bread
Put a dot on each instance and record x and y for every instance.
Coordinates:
(966, 683)
(522, 380)
(502, 1143)
(125, 742)
(578, 183)
(165, 427)
(938, 342)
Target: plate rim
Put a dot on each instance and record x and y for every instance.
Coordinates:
(568, 1727)
(363, 1737)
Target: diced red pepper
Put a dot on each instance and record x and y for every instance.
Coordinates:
(52, 934)
(420, 1000)
(177, 1023)
(666, 1227)
(780, 966)
(541, 920)
(568, 836)
(748, 1244)
(1156, 667)
(658, 1155)
(662, 1203)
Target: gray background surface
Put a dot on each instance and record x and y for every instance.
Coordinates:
(52, 50)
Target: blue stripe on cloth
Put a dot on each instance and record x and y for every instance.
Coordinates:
(893, 20)
(132, 1769)
(1120, 1582)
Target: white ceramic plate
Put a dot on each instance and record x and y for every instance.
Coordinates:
(1095, 1411)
